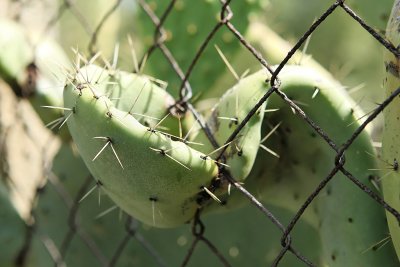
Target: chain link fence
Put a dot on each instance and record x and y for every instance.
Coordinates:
(75, 215)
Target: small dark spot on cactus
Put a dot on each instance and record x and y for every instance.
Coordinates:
(313, 135)
(214, 122)
(240, 152)
(146, 123)
(328, 190)
(152, 130)
(395, 165)
(375, 247)
(205, 157)
(260, 173)
(224, 202)
(296, 196)
(333, 257)
(233, 121)
(315, 209)
(351, 111)
(313, 170)
(267, 80)
(74, 110)
(153, 199)
(350, 220)
(392, 68)
(283, 142)
(99, 183)
(288, 130)
(62, 177)
(80, 86)
(109, 114)
(45, 211)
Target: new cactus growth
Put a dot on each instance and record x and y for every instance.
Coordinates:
(147, 174)
(391, 132)
(228, 113)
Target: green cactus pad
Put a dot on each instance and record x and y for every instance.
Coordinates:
(150, 176)
(391, 131)
(228, 113)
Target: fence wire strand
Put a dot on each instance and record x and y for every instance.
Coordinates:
(183, 103)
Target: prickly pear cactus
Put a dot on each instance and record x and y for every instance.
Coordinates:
(296, 159)
(391, 133)
(143, 170)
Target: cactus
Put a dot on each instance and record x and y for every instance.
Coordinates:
(129, 135)
(228, 113)
(162, 193)
(305, 158)
(390, 138)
